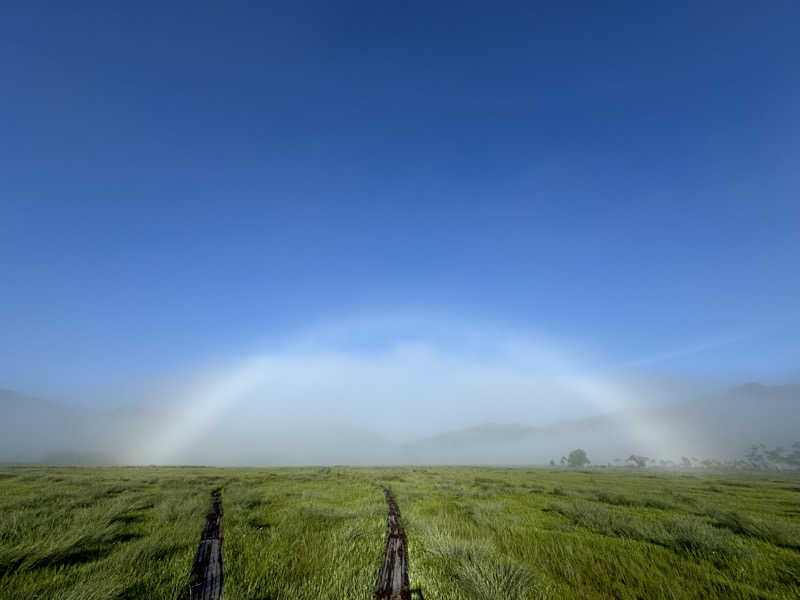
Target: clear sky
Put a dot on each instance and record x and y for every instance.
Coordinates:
(183, 183)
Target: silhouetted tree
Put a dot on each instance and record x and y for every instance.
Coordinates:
(794, 458)
(758, 457)
(755, 457)
(577, 458)
(776, 457)
(638, 460)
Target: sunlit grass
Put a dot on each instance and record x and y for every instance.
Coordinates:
(474, 533)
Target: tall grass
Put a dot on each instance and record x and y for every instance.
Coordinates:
(474, 533)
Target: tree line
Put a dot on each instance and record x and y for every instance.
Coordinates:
(758, 457)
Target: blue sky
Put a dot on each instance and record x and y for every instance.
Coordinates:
(184, 183)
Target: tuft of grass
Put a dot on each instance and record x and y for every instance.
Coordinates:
(449, 547)
(622, 500)
(657, 503)
(694, 536)
(607, 522)
(689, 535)
(491, 580)
(615, 499)
(786, 535)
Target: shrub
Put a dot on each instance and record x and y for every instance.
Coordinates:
(696, 537)
(656, 503)
(688, 536)
(616, 499)
(490, 580)
(780, 535)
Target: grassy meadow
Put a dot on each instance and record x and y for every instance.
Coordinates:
(474, 533)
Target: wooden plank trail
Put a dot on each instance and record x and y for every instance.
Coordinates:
(207, 574)
(392, 583)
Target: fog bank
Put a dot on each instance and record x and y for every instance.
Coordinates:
(399, 391)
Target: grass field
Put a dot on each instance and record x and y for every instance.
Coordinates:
(474, 533)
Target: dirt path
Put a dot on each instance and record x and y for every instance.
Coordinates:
(207, 574)
(392, 583)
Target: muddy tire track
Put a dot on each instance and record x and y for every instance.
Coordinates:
(392, 583)
(206, 580)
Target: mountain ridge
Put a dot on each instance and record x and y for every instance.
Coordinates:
(716, 426)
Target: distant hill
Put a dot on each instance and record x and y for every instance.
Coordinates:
(30, 426)
(488, 434)
(34, 430)
(720, 426)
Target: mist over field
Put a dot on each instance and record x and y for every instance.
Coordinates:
(442, 395)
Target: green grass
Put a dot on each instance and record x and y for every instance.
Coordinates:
(474, 533)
